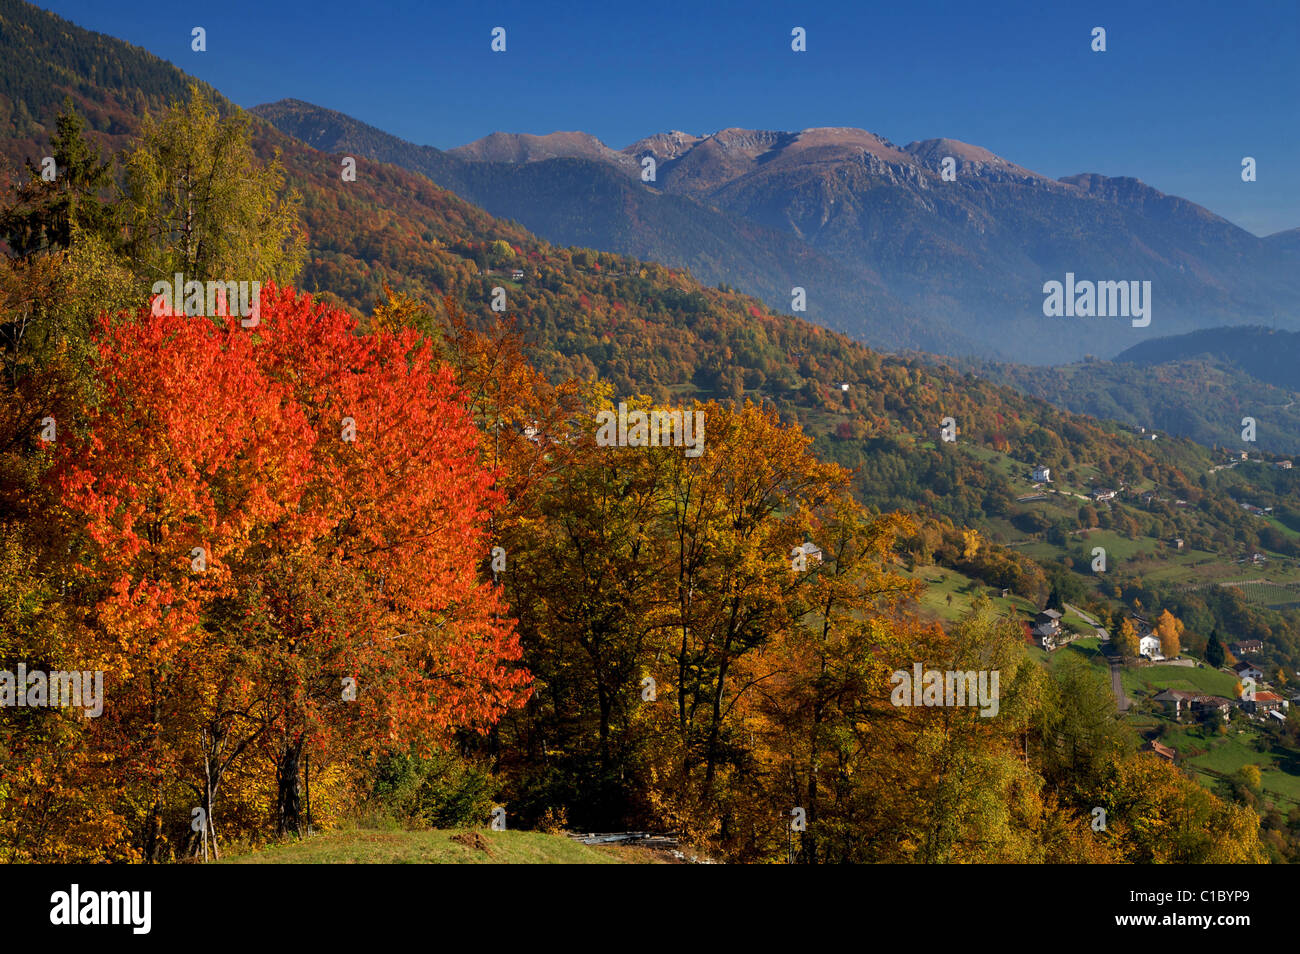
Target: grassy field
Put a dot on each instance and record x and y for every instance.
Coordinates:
(1148, 680)
(1085, 649)
(372, 846)
(941, 582)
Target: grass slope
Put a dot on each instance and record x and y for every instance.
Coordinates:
(372, 846)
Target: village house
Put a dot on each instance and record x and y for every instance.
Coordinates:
(1244, 670)
(812, 552)
(1164, 751)
(1264, 702)
(1042, 475)
(1284, 464)
(1149, 646)
(1178, 543)
(1179, 702)
(1048, 621)
(1246, 647)
(1203, 704)
(1100, 495)
(1175, 701)
(517, 274)
(1047, 630)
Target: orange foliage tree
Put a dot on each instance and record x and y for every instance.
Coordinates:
(284, 526)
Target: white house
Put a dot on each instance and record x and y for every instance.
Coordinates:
(1047, 629)
(1042, 474)
(1149, 646)
(1247, 671)
(812, 552)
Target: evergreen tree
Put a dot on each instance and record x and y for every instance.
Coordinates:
(1214, 650)
(46, 214)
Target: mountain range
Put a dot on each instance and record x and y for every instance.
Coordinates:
(887, 249)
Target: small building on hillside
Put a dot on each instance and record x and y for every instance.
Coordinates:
(1246, 647)
(1180, 703)
(1149, 646)
(1264, 702)
(1042, 475)
(1047, 629)
(1217, 704)
(1244, 670)
(1101, 495)
(1048, 621)
(1284, 464)
(1175, 701)
(1164, 751)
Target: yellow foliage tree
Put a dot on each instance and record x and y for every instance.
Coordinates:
(1170, 630)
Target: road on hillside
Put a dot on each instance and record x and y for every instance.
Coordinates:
(1122, 702)
(1081, 614)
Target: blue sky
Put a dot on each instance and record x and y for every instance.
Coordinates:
(1184, 91)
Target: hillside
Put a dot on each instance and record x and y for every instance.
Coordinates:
(1199, 385)
(1201, 396)
(1269, 354)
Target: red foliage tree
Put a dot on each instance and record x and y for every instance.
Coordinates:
(285, 525)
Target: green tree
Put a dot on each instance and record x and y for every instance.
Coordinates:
(200, 202)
